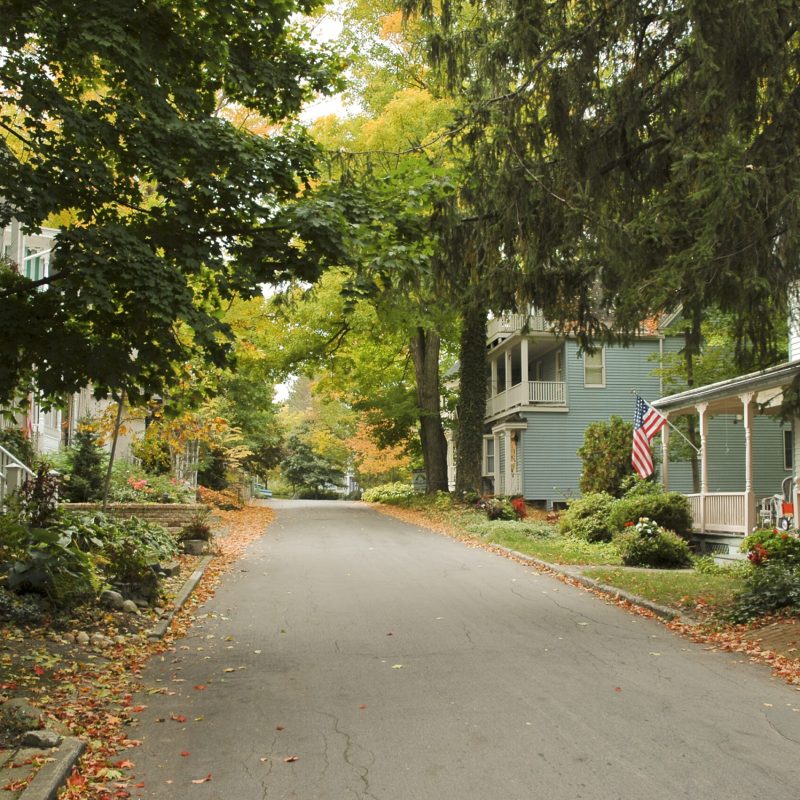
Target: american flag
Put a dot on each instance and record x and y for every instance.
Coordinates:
(647, 422)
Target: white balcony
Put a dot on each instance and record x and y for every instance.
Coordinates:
(507, 324)
(534, 393)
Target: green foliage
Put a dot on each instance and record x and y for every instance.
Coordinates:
(389, 493)
(84, 481)
(153, 453)
(772, 587)
(309, 493)
(214, 472)
(18, 444)
(587, 518)
(770, 546)
(669, 509)
(130, 550)
(634, 486)
(167, 208)
(530, 529)
(647, 544)
(499, 508)
(606, 456)
(305, 469)
(51, 563)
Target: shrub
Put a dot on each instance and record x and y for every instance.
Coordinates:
(520, 509)
(606, 456)
(36, 502)
(84, 481)
(52, 564)
(311, 493)
(647, 544)
(634, 486)
(390, 493)
(531, 529)
(772, 587)
(769, 545)
(130, 484)
(669, 509)
(499, 508)
(587, 518)
(18, 444)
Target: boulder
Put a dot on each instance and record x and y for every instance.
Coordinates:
(112, 599)
(43, 739)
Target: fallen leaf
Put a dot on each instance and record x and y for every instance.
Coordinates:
(397, 666)
(229, 669)
(184, 753)
(290, 759)
(363, 706)
(263, 759)
(177, 717)
(137, 709)
(203, 780)
(279, 727)
(200, 687)
(617, 689)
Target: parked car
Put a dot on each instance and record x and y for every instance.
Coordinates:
(261, 491)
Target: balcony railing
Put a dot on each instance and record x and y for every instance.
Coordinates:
(507, 324)
(539, 393)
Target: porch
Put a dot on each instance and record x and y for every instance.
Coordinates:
(730, 514)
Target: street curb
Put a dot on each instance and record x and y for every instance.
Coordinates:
(51, 776)
(661, 611)
(161, 626)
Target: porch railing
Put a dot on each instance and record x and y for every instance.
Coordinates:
(513, 323)
(723, 512)
(12, 474)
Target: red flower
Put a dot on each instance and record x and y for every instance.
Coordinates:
(628, 524)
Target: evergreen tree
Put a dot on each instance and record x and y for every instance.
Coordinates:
(86, 477)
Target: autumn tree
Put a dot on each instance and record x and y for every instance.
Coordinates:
(167, 209)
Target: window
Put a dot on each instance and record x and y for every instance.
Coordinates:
(594, 368)
(489, 456)
(788, 449)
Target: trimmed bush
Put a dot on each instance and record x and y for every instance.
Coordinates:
(769, 545)
(587, 518)
(772, 587)
(499, 508)
(391, 493)
(669, 509)
(647, 544)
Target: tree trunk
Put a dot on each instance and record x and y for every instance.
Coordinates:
(425, 354)
(471, 407)
(693, 339)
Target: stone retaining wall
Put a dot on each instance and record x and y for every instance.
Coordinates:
(173, 516)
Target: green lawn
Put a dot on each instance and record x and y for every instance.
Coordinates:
(681, 588)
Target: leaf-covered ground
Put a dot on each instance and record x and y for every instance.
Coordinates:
(87, 692)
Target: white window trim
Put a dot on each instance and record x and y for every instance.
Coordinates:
(486, 456)
(602, 385)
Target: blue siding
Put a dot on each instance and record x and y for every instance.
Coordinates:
(550, 443)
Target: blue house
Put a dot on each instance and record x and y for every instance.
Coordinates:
(543, 393)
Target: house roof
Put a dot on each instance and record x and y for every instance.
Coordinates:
(723, 397)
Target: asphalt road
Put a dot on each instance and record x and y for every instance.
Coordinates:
(395, 664)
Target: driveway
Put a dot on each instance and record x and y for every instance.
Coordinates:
(351, 655)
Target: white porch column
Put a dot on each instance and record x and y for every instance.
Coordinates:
(523, 354)
(665, 457)
(701, 410)
(17, 251)
(796, 466)
(750, 497)
(496, 474)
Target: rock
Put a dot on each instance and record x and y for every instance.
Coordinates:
(31, 714)
(119, 640)
(195, 547)
(69, 638)
(141, 602)
(82, 638)
(43, 739)
(112, 599)
(130, 607)
(169, 569)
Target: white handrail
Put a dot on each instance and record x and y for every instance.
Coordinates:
(14, 460)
